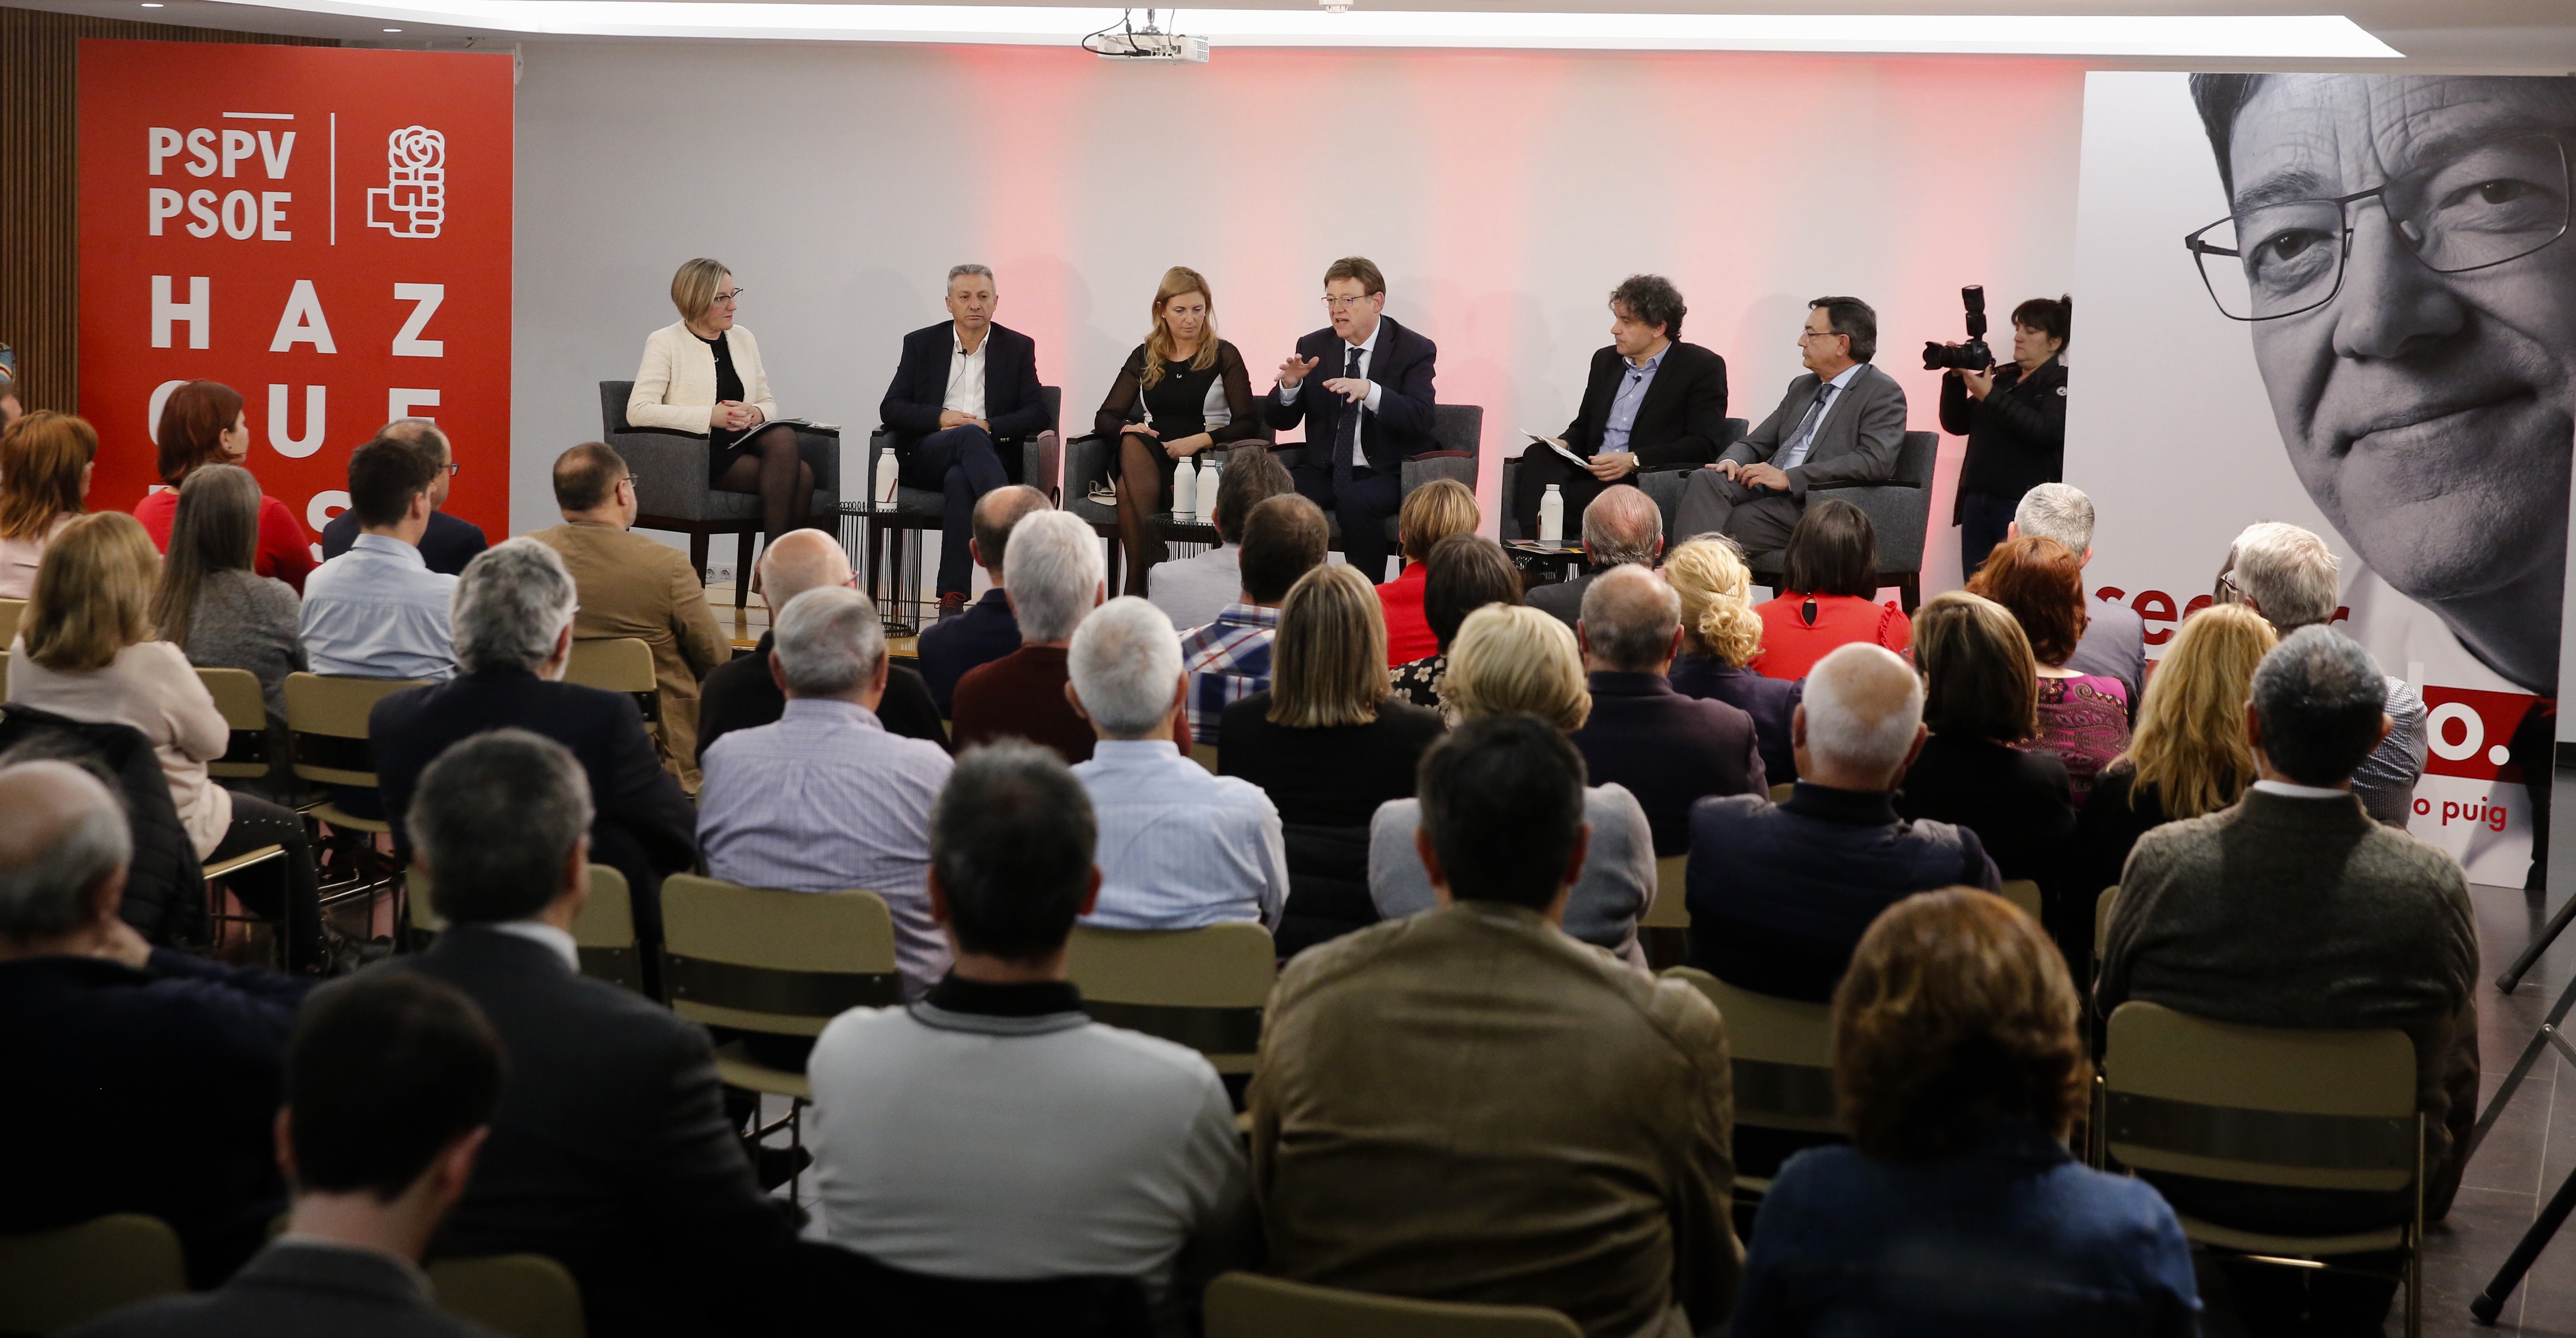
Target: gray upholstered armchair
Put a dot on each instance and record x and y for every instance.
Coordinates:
(894, 533)
(672, 493)
(1663, 483)
(1899, 509)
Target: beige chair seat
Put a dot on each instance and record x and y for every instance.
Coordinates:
(1244, 1305)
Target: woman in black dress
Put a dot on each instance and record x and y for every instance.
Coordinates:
(1182, 391)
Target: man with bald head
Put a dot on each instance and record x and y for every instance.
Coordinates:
(1780, 894)
(987, 630)
(1670, 751)
(169, 1064)
(1622, 525)
(743, 694)
(449, 543)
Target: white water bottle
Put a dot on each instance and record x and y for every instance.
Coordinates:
(889, 472)
(1209, 477)
(1185, 491)
(1551, 516)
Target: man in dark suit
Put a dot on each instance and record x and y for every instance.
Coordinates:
(449, 543)
(987, 630)
(610, 1152)
(744, 692)
(1622, 525)
(963, 397)
(1649, 402)
(1842, 422)
(1669, 750)
(139, 1079)
(514, 614)
(1370, 415)
(391, 1081)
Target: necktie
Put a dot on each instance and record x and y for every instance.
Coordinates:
(1795, 453)
(1346, 436)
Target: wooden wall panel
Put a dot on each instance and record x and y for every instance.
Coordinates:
(39, 172)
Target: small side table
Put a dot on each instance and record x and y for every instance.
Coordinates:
(1548, 562)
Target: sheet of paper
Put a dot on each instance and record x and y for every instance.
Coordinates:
(1560, 448)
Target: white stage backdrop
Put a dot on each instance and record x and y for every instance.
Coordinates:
(1503, 194)
(2421, 421)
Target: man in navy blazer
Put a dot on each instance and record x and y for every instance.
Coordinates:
(1370, 415)
(965, 394)
(449, 543)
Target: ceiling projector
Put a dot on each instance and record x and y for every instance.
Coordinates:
(1127, 41)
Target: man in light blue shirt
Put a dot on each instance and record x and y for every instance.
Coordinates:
(378, 611)
(1179, 848)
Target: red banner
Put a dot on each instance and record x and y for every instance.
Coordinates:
(326, 231)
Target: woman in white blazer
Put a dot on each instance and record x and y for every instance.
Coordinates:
(704, 375)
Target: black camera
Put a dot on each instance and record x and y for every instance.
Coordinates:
(1972, 356)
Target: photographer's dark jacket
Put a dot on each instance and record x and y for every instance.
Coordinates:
(2016, 434)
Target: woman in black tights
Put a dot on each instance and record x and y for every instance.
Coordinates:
(704, 375)
(1182, 391)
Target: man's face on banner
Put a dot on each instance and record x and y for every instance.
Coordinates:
(2428, 413)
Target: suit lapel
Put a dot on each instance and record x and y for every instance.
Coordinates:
(1816, 447)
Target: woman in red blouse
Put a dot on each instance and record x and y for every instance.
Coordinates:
(1435, 511)
(1830, 600)
(202, 423)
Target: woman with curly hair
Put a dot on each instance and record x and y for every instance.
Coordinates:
(1721, 636)
(1957, 1208)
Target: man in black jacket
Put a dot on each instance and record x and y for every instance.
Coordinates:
(513, 619)
(1669, 750)
(965, 394)
(744, 692)
(1649, 401)
(1370, 415)
(449, 543)
(610, 1152)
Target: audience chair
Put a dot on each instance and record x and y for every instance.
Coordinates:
(672, 493)
(2274, 1106)
(1663, 483)
(1205, 755)
(2024, 893)
(53, 1280)
(619, 664)
(514, 1295)
(1780, 793)
(1667, 910)
(1245, 1305)
(1899, 509)
(236, 694)
(604, 932)
(326, 733)
(1783, 1060)
(11, 610)
(2102, 922)
(895, 533)
(785, 963)
(1204, 988)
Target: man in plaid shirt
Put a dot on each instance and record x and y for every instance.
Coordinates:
(1229, 659)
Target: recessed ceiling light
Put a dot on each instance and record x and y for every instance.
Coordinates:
(152, 4)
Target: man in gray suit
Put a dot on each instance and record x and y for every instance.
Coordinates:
(1843, 422)
(1622, 525)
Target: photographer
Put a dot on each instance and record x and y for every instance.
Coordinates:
(2014, 417)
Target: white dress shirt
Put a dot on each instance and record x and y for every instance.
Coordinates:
(966, 373)
(1179, 848)
(378, 611)
(1335, 370)
(2289, 790)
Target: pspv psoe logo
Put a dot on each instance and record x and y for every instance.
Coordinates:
(413, 201)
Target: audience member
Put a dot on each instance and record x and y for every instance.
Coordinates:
(1229, 659)
(1464, 573)
(2083, 718)
(1372, 412)
(202, 423)
(1328, 744)
(2189, 756)
(1178, 848)
(610, 1153)
(1622, 526)
(449, 543)
(2114, 644)
(1417, 1127)
(1433, 512)
(391, 1081)
(826, 799)
(2294, 909)
(1721, 637)
(1649, 401)
(1841, 422)
(993, 1130)
(634, 587)
(378, 611)
(515, 607)
(45, 464)
(2287, 575)
(1182, 392)
(1779, 894)
(1055, 580)
(1831, 575)
(212, 606)
(1981, 702)
(140, 1079)
(1957, 1209)
(985, 630)
(963, 397)
(1668, 750)
(1193, 591)
(743, 692)
(1519, 661)
(85, 649)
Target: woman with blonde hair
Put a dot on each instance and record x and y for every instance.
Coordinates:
(1517, 660)
(1328, 743)
(85, 649)
(703, 374)
(1957, 1207)
(1435, 511)
(1180, 392)
(214, 607)
(1981, 702)
(1721, 637)
(45, 464)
